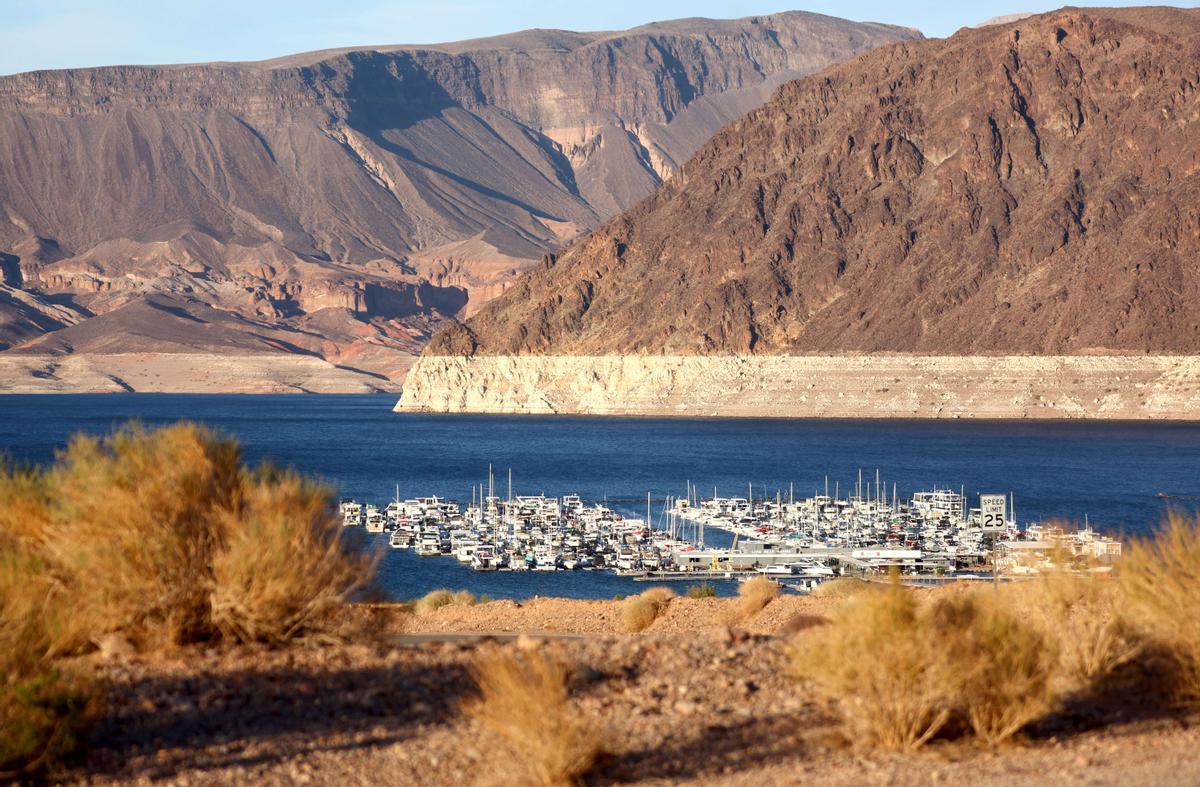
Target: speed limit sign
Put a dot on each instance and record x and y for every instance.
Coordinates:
(992, 509)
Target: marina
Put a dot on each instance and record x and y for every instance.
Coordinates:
(1069, 472)
(799, 542)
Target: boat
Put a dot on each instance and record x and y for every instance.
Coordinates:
(351, 513)
(485, 559)
(429, 545)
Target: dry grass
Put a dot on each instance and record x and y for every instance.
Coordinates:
(1085, 617)
(999, 667)
(159, 537)
(903, 664)
(703, 590)
(165, 538)
(42, 717)
(134, 525)
(1160, 578)
(640, 611)
(282, 571)
(753, 596)
(436, 599)
(876, 658)
(841, 587)
(42, 709)
(523, 699)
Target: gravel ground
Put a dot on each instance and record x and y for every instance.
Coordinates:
(687, 702)
(568, 616)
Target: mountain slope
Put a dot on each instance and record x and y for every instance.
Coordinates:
(1024, 188)
(356, 198)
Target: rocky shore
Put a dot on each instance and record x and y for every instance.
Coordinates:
(825, 386)
(689, 701)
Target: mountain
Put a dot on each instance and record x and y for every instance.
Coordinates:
(1029, 188)
(342, 204)
(1026, 189)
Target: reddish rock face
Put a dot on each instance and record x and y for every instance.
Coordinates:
(394, 184)
(1032, 187)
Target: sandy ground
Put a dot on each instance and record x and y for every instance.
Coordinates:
(570, 616)
(688, 702)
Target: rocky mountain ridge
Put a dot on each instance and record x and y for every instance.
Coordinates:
(1023, 188)
(352, 200)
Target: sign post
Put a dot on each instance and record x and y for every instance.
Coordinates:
(992, 509)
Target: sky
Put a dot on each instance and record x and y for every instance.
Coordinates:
(37, 34)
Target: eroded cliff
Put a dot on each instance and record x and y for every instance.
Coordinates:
(841, 386)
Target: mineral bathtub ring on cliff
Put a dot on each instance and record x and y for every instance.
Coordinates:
(814, 386)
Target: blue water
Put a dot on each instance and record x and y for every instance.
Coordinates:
(1064, 470)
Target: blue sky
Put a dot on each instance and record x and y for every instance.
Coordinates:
(66, 33)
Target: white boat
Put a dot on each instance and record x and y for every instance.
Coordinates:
(466, 551)
(429, 545)
(351, 513)
(485, 559)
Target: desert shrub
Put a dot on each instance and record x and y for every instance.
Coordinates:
(902, 665)
(281, 571)
(640, 611)
(134, 525)
(1160, 577)
(753, 595)
(146, 532)
(999, 666)
(42, 709)
(703, 590)
(523, 699)
(877, 659)
(436, 599)
(1083, 615)
(42, 715)
(24, 506)
(158, 537)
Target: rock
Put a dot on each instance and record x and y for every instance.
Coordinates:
(1152, 386)
(685, 707)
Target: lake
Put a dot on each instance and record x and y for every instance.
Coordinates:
(1110, 472)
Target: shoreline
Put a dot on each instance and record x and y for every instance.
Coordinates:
(197, 372)
(920, 387)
